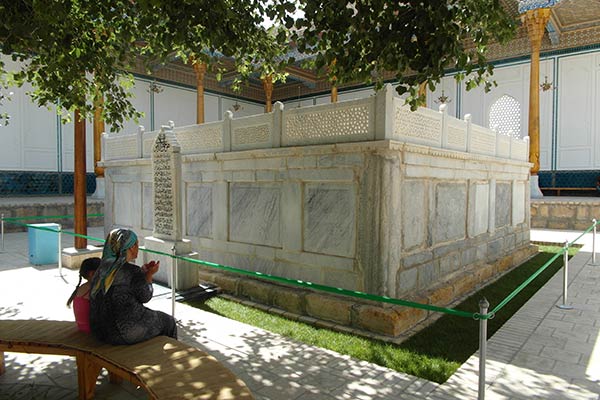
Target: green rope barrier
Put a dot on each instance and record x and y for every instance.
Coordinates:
(346, 292)
(47, 229)
(580, 236)
(11, 219)
(525, 283)
(330, 289)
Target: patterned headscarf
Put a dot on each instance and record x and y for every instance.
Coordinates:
(114, 256)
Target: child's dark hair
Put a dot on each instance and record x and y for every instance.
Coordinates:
(88, 265)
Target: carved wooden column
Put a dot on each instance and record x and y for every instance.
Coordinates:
(200, 69)
(268, 88)
(79, 183)
(535, 22)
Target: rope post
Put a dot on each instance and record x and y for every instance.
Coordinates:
(593, 243)
(2, 218)
(483, 309)
(173, 280)
(564, 305)
(59, 249)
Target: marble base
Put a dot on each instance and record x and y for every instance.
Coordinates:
(536, 193)
(99, 193)
(187, 272)
(72, 257)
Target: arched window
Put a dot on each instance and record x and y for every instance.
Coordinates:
(505, 116)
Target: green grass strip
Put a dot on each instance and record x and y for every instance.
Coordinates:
(11, 219)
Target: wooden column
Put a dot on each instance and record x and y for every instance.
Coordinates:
(98, 131)
(79, 183)
(423, 91)
(268, 88)
(334, 94)
(535, 22)
(200, 69)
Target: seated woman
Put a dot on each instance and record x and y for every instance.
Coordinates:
(119, 290)
(81, 295)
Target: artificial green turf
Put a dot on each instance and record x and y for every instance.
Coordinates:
(434, 353)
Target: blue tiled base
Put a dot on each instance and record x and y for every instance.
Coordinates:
(568, 178)
(36, 183)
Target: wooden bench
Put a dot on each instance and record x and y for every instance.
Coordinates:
(574, 189)
(164, 367)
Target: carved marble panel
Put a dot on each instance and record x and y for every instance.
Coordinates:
(166, 166)
(254, 213)
(329, 123)
(483, 140)
(199, 210)
(200, 138)
(121, 147)
(330, 219)
(421, 126)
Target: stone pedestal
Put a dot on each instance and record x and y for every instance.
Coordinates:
(536, 193)
(187, 272)
(99, 193)
(72, 257)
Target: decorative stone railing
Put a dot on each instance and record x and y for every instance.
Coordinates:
(379, 117)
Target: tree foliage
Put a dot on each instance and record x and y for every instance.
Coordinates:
(74, 51)
(416, 39)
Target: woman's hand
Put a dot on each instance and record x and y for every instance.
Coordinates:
(150, 269)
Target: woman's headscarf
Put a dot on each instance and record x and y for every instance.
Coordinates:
(114, 256)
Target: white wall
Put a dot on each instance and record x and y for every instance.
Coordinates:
(578, 120)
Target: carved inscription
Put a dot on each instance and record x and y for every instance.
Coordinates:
(416, 125)
(164, 179)
(350, 121)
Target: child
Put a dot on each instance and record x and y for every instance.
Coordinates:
(81, 295)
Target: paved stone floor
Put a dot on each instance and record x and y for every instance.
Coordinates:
(542, 352)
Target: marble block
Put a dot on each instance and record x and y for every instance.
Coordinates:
(518, 204)
(199, 207)
(450, 212)
(503, 204)
(147, 206)
(479, 209)
(187, 272)
(126, 204)
(330, 219)
(414, 214)
(254, 211)
(72, 258)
